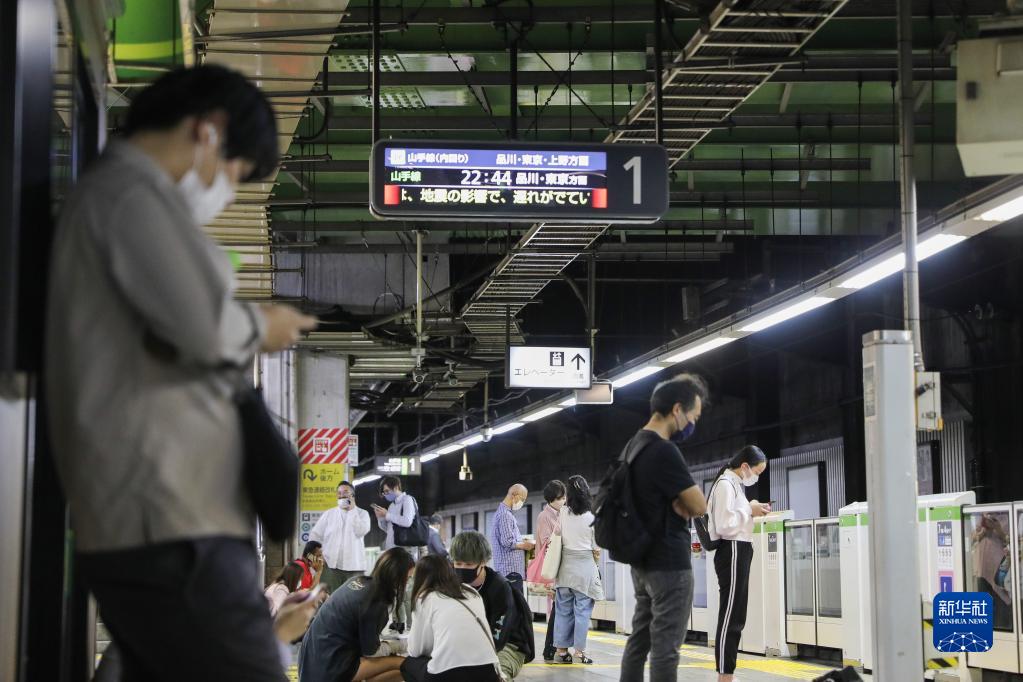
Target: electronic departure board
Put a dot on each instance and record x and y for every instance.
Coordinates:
(519, 181)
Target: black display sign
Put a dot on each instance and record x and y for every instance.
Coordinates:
(518, 181)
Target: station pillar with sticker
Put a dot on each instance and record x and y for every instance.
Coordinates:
(325, 445)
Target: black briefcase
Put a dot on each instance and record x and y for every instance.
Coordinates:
(270, 466)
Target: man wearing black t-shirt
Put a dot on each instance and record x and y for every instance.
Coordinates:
(666, 498)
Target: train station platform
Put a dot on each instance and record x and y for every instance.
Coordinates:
(696, 664)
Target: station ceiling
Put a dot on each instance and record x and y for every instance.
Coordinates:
(794, 175)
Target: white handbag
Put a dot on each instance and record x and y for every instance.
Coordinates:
(552, 560)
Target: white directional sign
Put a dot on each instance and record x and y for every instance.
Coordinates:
(548, 367)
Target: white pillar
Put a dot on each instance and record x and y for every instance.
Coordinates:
(321, 387)
(16, 411)
(890, 425)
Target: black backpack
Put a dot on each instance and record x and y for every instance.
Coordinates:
(700, 523)
(416, 535)
(617, 526)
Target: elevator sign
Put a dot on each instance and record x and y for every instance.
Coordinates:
(511, 180)
(548, 367)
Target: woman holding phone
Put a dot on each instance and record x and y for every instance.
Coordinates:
(731, 522)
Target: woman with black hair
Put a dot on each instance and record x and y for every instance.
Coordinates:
(731, 522)
(450, 640)
(578, 582)
(343, 641)
(286, 582)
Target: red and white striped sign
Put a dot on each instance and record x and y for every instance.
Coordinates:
(323, 446)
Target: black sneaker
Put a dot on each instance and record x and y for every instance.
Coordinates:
(548, 656)
(397, 627)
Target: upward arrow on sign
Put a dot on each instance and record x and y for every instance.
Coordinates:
(578, 360)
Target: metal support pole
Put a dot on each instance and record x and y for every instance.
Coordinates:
(375, 70)
(513, 93)
(658, 76)
(419, 295)
(890, 443)
(591, 306)
(911, 274)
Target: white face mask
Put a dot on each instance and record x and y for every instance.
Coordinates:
(205, 202)
(518, 505)
(750, 480)
(344, 503)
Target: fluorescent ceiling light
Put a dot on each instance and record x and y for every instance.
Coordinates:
(875, 273)
(700, 349)
(505, 428)
(1007, 211)
(429, 457)
(937, 244)
(368, 478)
(568, 402)
(635, 375)
(449, 448)
(472, 440)
(786, 313)
(546, 412)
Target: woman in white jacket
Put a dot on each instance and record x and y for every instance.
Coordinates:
(450, 640)
(731, 521)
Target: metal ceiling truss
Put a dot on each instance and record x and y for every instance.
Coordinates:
(766, 31)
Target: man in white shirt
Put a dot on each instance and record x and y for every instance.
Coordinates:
(341, 531)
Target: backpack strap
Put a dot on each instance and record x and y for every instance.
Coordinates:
(636, 445)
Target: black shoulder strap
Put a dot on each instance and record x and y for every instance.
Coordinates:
(636, 445)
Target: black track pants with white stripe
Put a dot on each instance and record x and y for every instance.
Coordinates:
(732, 563)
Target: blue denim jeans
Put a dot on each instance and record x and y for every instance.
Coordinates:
(573, 618)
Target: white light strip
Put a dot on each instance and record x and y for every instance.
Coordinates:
(700, 349)
(449, 448)
(1007, 211)
(569, 402)
(546, 412)
(471, 440)
(896, 263)
(786, 313)
(429, 457)
(635, 375)
(505, 428)
(368, 478)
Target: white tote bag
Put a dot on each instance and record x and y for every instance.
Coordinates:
(552, 560)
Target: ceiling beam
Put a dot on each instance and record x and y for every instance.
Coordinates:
(360, 226)
(642, 14)
(585, 120)
(679, 250)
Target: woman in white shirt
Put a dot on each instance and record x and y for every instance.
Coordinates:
(578, 582)
(731, 521)
(450, 636)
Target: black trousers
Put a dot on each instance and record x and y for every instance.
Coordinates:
(189, 610)
(548, 646)
(732, 564)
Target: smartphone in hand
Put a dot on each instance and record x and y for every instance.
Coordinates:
(301, 597)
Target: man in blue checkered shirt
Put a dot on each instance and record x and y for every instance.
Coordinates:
(509, 547)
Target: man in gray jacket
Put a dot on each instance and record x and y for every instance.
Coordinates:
(145, 348)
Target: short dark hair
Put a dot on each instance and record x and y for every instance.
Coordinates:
(347, 484)
(471, 547)
(578, 498)
(201, 90)
(310, 548)
(682, 388)
(554, 490)
(391, 482)
(436, 519)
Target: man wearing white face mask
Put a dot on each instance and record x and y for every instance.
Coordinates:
(341, 530)
(146, 346)
(509, 547)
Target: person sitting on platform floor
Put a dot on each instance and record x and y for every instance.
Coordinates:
(343, 642)
(450, 640)
(284, 584)
(508, 612)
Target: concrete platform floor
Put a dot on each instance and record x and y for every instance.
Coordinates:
(696, 664)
